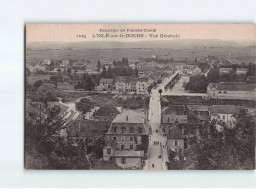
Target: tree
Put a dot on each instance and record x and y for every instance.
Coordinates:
(233, 148)
(46, 93)
(114, 63)
(98, 65)
(197, 84)
(213, 76)
(104, 72)
(84, 105)
(160, 91)
(55, 80)
(37, 84)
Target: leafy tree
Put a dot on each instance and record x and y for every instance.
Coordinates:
(197, 83)
(37, 84)
(104, 72)
(98, 65)
(46, 93)
(160, 91)
(84, 105)
(213, 76)
(114, 63)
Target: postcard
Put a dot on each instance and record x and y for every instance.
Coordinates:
(140, 96)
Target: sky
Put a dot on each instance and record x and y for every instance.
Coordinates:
(69, 32)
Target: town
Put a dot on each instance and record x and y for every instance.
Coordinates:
(148, 113)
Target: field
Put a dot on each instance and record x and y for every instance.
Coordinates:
(246, 54)
(33, 78)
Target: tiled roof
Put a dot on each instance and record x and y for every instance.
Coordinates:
(233, 87)
(129, 153)
(106, 110)
(202, 115)
(106, 80)
(174, 109)
(175, 133)
(88, 128)
(224, 109)
(129, 117)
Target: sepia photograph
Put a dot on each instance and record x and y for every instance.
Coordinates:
(140, 97)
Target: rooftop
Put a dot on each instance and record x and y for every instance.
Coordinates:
(106, 110)
(80, 128)
(224, 109)
(175, 133)
(129, 153)
(233, 87)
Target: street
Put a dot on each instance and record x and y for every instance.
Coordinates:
(157, 151)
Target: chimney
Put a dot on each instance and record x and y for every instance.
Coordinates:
(126, 117)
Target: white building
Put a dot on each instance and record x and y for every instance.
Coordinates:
(232, 90)
(224, 115)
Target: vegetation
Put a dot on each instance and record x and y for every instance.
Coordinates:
(197, 84)
(231, 149)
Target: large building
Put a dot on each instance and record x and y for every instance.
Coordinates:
(127, 140)
(131, 85)
(233, 90)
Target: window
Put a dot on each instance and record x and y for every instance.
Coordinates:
(123, 160)
(139, 129)
(131, 147)
(114, 129)
(108, 151)
(223, 117)
(132, 129)
(122, 147)
(114, 138)
(176, 142)
(131, 138)
(168, 120)
(123, 129)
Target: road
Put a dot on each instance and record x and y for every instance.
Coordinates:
(157, 151)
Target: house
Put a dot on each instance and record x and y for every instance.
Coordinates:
(80, 64)
(65, 63)
(46, 62)
(142, 85)
(65, 86)
(31, 68)
(127, 140)
(105, 113)
(224, 115)
(39, 67)
(181, 116)
(241, 71)
(90, 130)
(223, 70)
(104, 84)
(131, 84)
(175, 139)
(133, 66)
(233, 90)
(125, 84)
(179, 65)
(90, 71)
(141, 74)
